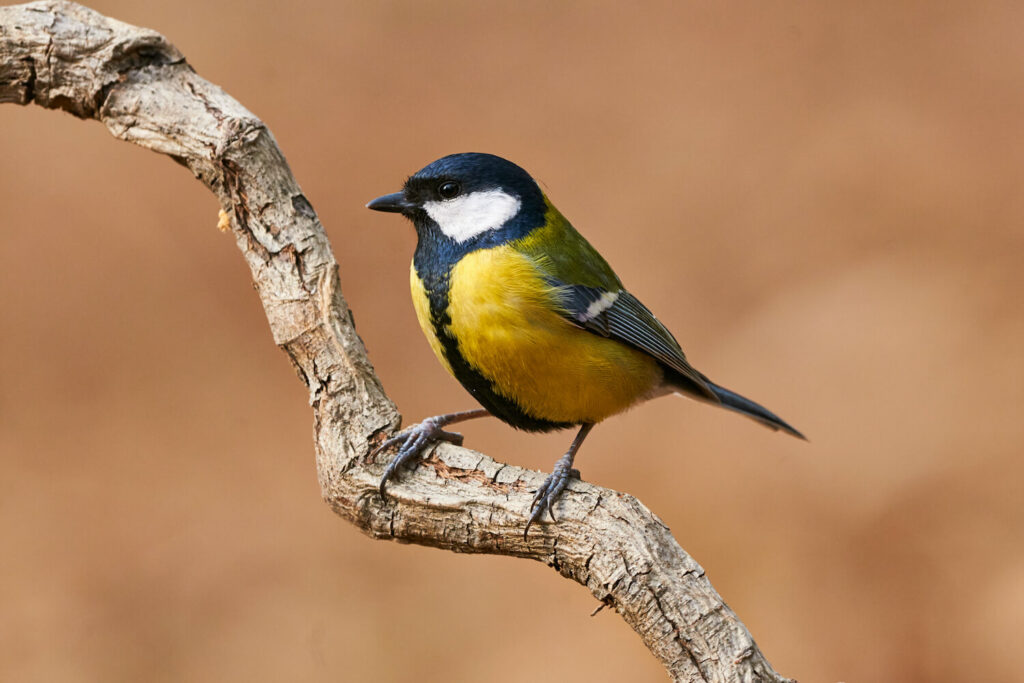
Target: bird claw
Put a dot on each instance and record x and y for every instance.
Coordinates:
(411, 443)
(549, 491)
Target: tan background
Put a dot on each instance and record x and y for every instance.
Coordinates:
(822, 200)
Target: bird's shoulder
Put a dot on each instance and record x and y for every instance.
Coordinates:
(561, 253)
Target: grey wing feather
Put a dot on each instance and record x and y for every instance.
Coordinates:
(620, 315)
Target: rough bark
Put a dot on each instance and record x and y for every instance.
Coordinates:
(60, 55)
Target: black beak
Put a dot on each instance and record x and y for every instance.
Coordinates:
(392, 203)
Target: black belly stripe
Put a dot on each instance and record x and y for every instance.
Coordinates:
(506, 410)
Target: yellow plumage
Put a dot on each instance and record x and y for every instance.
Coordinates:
(422, 306)
(506, 321)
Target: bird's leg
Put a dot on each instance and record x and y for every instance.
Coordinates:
(412, 440)
(556, 481)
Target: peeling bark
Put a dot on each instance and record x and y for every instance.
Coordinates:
(60, 55)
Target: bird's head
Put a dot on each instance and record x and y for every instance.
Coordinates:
(462, 197)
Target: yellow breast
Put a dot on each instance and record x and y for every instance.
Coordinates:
(421, 303)
(504, 318)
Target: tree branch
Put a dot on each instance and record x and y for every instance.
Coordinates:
(60, 55)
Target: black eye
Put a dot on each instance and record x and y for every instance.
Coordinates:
(449, 189)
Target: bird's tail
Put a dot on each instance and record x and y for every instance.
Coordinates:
(744, 406)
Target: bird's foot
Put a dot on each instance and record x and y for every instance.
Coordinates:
(411, 442)
(551, 489)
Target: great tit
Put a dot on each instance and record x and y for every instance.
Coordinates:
(529, 317)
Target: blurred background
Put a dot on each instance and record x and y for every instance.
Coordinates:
(822, 201)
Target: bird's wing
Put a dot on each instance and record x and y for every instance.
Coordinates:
(591, 296)
(620, 315)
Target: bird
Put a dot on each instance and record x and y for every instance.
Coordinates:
(529, 317)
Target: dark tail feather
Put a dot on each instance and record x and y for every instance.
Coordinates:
(745, 406)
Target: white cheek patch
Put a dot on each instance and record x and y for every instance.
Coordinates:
(474, 213)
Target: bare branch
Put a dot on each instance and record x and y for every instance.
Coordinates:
(61, 55)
